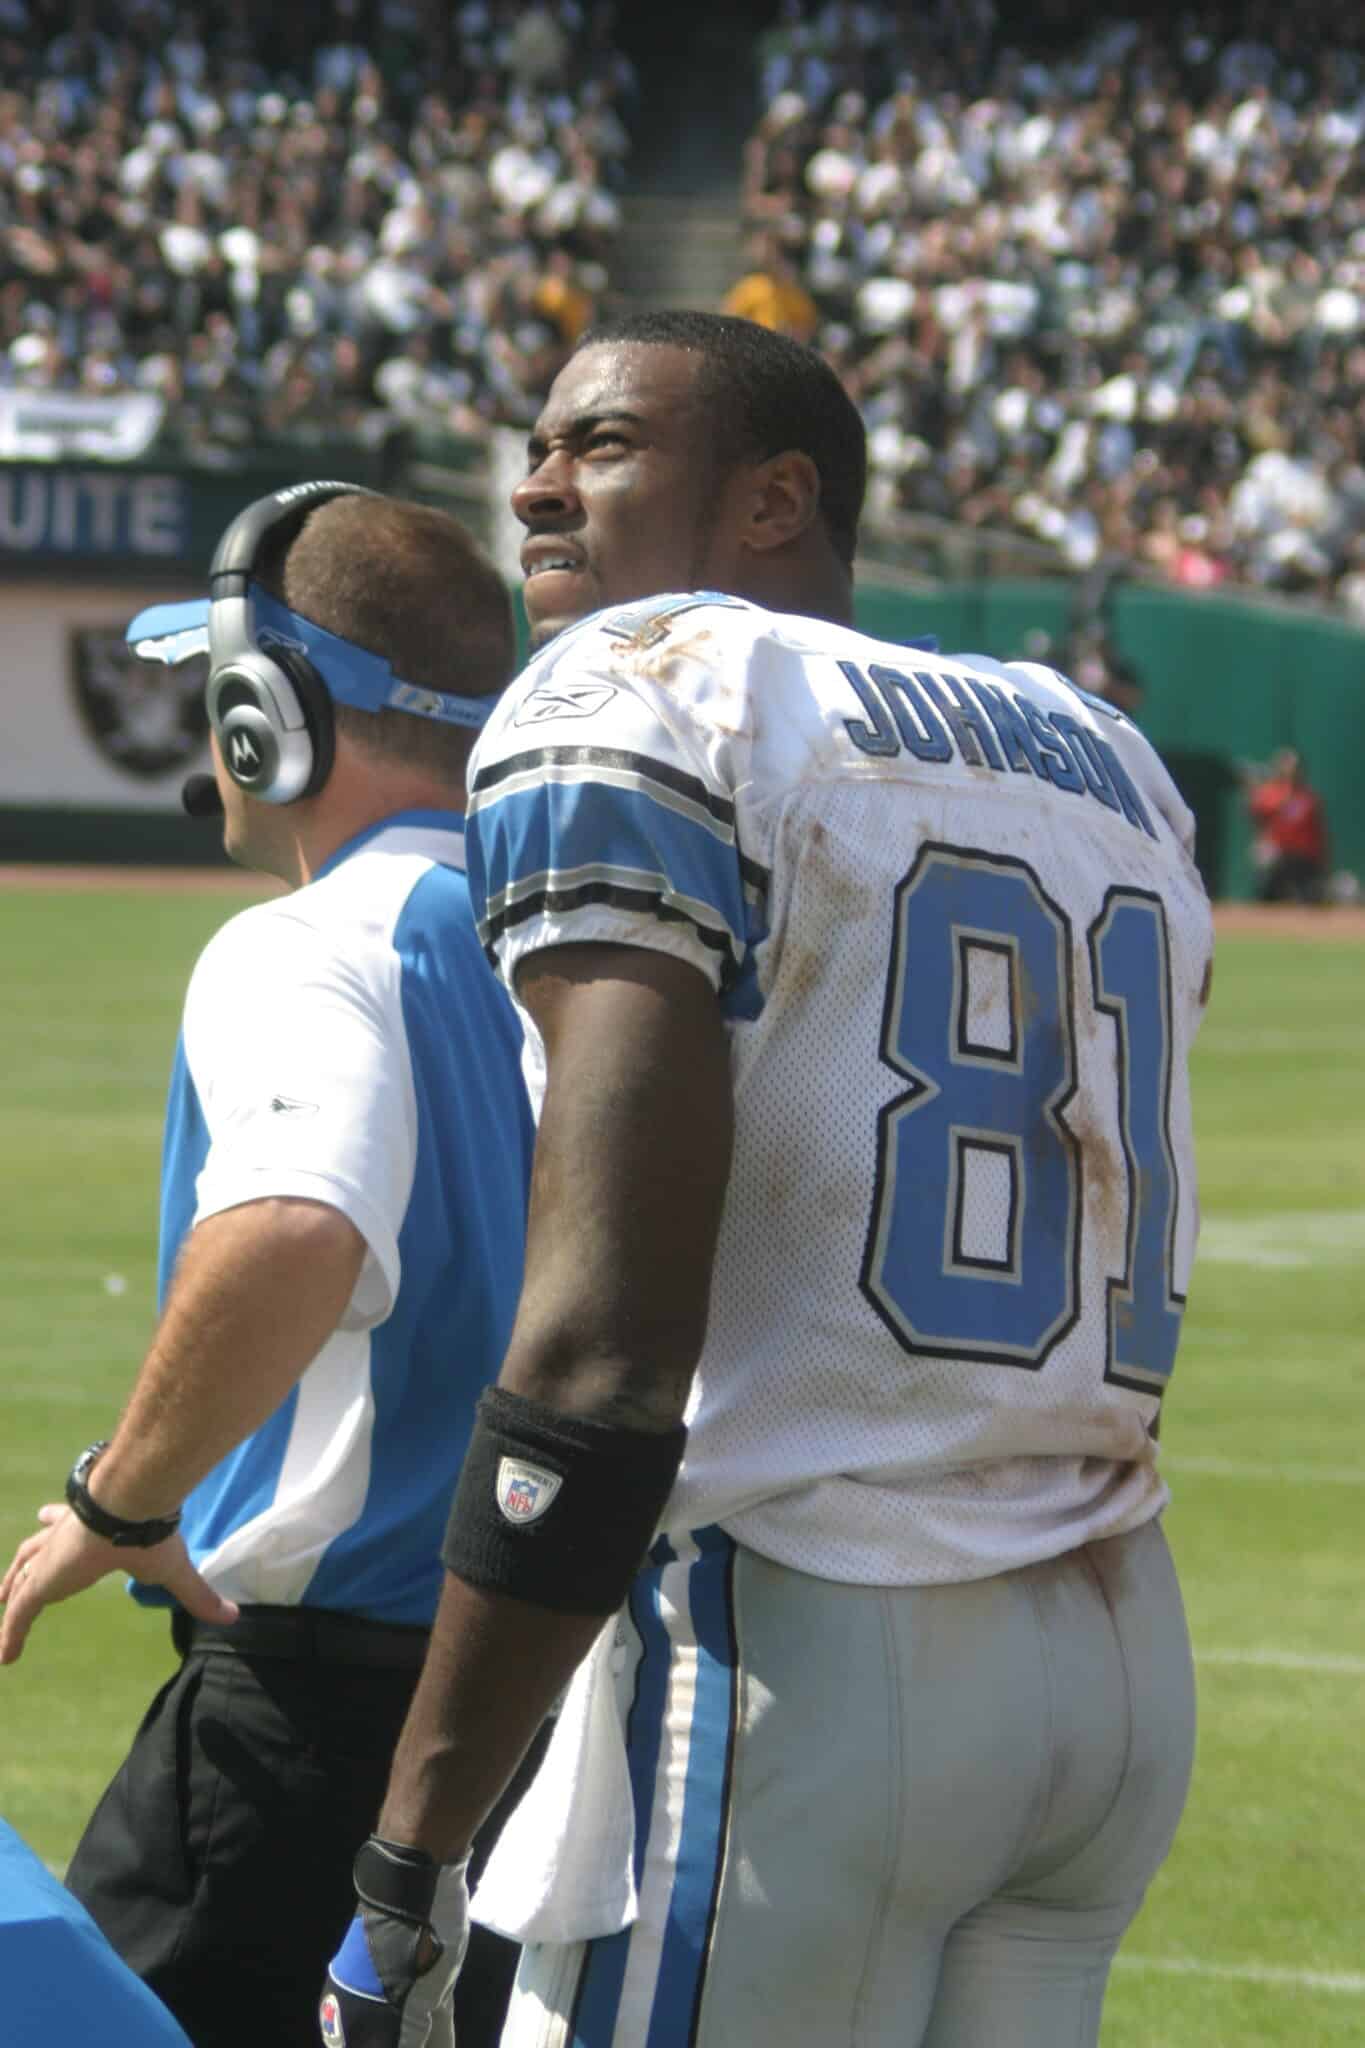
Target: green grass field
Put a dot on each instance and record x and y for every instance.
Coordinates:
(1255, 1932)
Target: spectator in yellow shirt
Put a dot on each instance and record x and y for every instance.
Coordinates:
(771, 293)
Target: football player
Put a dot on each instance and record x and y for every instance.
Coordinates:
(859, 983)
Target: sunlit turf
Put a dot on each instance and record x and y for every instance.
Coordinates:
(1263, 1435)
(92, 988)
(1264, 1438)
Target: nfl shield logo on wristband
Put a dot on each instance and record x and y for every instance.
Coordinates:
(525, 1491)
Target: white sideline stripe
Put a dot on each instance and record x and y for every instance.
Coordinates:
(1306, 1043)
(1287, 1660)
(1286, 1238)
(1233, 1468)
(1348, 1982)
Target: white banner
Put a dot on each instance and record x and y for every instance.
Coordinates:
(48, 426)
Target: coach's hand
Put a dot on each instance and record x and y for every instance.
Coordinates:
(391, 1980)
(64, 1557)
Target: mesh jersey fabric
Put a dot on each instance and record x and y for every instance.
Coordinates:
(950, 911)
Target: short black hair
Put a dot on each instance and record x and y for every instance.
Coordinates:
(765, 393)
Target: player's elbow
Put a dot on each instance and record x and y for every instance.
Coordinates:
(638, 1378)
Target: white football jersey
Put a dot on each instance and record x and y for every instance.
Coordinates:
(951, 915)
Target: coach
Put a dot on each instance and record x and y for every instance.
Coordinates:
(346, 1156)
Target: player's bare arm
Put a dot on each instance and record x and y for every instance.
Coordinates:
(257, 1293)
(631, 1165)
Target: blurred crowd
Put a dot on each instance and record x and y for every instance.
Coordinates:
(1108, 290)
(1104, 288)
(306, 222)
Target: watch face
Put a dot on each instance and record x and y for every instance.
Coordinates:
(80, 1471)
(115, 1529)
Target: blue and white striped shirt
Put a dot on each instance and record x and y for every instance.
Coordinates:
(347, 1044)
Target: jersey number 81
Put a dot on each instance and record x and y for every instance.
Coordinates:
(974, 1246)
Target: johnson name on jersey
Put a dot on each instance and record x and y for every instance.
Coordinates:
(950, 912)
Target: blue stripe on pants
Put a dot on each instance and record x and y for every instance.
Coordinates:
(704, 1616)
(706, 1800)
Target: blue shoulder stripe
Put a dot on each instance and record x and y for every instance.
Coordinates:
(600, 766)
(548, 847)
(537, 760)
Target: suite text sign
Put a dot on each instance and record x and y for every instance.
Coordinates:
(92, 514)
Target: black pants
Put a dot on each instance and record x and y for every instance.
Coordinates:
(218, 1863)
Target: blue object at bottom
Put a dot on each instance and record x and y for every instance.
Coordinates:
(59, 1978)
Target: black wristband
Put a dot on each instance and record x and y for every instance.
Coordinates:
(555, 1509)
(397, 1880)
(116, 1529)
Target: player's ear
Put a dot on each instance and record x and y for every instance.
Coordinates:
(782, 500)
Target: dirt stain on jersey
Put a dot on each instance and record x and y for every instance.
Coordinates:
(831, 898)
(846, 896)
(1090, 1019)
(1027, 1001)
(663, 658)
(1104, 1175)
(670, 662)
(983, 1011)
(799, 976)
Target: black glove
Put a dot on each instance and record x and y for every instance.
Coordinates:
(378, 1993)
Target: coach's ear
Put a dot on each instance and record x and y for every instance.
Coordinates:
(781, 501)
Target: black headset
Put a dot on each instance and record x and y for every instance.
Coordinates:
(270, 710)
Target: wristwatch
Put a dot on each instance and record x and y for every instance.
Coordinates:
(114, 1529)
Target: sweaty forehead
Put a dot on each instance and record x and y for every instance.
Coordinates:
(653, 380)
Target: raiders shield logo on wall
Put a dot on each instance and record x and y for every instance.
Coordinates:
(145, 717)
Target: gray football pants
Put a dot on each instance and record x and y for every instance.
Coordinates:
(884, 1818)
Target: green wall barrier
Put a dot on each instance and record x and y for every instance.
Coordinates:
(1224, 681)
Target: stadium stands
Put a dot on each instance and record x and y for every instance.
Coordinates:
(304, 223)
(1097, 282)
(1108, 291)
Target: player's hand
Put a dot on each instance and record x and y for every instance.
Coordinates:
(64, 1557)
(390, 1982)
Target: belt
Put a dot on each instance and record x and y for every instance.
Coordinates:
(319, 1633)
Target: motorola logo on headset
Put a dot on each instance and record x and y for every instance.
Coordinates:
(242, 757)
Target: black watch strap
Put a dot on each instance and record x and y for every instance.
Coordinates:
(114, 1529)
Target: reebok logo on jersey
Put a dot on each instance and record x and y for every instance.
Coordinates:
(525, 1491)
(289, 1105)
(565, 700)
